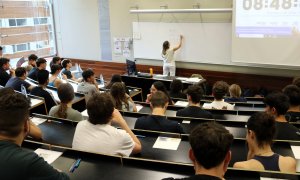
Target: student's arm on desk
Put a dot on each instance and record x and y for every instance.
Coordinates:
(130, 99)
(117, 118)
(34, 131)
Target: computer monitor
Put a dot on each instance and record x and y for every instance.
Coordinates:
(131, 67)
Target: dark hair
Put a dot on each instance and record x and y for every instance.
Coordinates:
(55, 68)
(55, 59)
(296, 81)
(210, 143)
(65, 93)
(293, 92)
(263, 125)
(220, 89)
(1, 48)
(118, 93)
(32, 57)
(166, 46)
(176, 86)
(6, 91)
(14, 111)
(114, 78)
(3, 61)
(159, 99)
(42, 76)
(40, 61)
(161, 87)
(20, 71)
(87, 74)
(279, 101)
(65, 62)
(100, 108)
(195, 92)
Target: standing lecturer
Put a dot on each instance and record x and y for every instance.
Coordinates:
(168, 57)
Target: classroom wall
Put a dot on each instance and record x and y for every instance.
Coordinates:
(76, 13)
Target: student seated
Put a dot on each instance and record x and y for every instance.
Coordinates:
(235, 94)
(41, 91)
(66, 94)
(4, 76)
(54, 79)
(194, 95)
(89, 86)
(220, 89)
(122, 100)
(296, 81)
(176, 87)
(67, 64)
(35, 132)
(260, 133)
(293, 113)
(41, 64)
(19, 80)
(210, 151)
(158, 86)
(55, 60)
(115, 78)
(277, 105)
(16, 162)
(158, 120)
(97, 135)
(31, 62)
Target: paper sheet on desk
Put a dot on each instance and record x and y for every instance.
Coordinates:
(265, 178)
(182, 78)
(138, 107)
(167, 143)
(38, 121)
(296, 151)
(182, 103)
(48, 155)
(193, 80)
(84, 113)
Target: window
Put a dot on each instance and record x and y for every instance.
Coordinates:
(12, 22)
(21, 22)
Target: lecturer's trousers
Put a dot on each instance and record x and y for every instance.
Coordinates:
(169, 69)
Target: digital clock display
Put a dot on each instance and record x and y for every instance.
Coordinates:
(270, 4)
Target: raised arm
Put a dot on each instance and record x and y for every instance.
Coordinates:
(179, 45)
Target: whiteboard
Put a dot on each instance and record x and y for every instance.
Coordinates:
(203, 42)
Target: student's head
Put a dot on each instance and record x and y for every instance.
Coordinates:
(166, 46)
(1, 51)
(210, 146)
(159, 100)
(296, 81)
(21, 72)
(32, 59)
(293, 92)
(100, 108)
(4, 63)
(194, 93)
(41, 63)
(158, 86)
(14, 115)
(260, 129)
(176, 86)
(65, 92)
(66, 63)
(55, 69)
(276, 103)
(43, 77)
(55, 60)
(88, 75)
(118, 92)
(116, 78)
(220, 89)
(6, 91)
(235, 91)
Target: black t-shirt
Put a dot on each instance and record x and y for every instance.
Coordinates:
(177, 95)
(158, 123)
(286, 131)
(67, 73)
(292, 116)
(18, 163)
(232, 99)
(38, 91)
(16, 83)
(4, 77)
(33, 73)
(195, 112)
(196, 177)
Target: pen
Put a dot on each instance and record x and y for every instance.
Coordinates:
(75, 165)
(140, 136)
(72, 167)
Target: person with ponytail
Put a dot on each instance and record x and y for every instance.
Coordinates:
(65, 93)
(122, 100)
(169, 66)
(260, 134)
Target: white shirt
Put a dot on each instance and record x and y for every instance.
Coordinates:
(102, 138)
(218, 105)
(169, 56)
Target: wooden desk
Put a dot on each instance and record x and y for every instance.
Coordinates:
(37, 105)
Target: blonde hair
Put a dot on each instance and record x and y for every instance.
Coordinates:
(235, 91)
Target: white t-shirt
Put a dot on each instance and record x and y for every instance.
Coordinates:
(218, 105)
(87, 89)
(102, 138)
(169, 57)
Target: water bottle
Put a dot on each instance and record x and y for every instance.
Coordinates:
(23, 90)
(101, 80)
